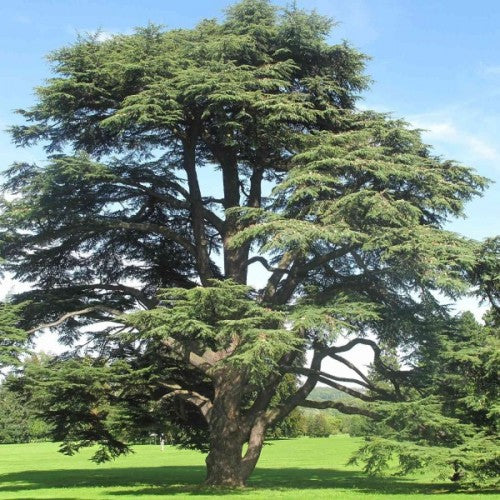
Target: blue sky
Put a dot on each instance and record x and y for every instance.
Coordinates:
(434, 63)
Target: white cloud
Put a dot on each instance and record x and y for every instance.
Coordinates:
(443, 131)
(482, 149)
(447, 131)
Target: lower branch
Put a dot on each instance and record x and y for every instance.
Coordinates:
(195, 398)
(342, 407)
(300, 394)
(346, 390)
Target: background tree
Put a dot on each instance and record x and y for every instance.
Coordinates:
(450, 424)
(181, 161)
(20, 421)
(13, 338)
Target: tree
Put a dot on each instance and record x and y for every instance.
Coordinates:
(19, 421)
(321, 425)
(13, 339)
(181, 162)
(450, 422)
(450, 425)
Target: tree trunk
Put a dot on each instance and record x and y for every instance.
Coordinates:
(229, 431)
(224, 461)
(225, 464)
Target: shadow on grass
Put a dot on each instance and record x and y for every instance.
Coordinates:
(172, 480)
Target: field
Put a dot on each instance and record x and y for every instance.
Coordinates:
(294, 469)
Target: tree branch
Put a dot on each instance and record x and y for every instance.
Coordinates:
(307, 371)
(393, 375)
(147, 302)
(203, 262)
(323, 259)
(300, 394)
(195, 398)
(342, 407)
(195, 360)
(265, 264)
(273, 281)
(299, 269)
(379, 364)
(174, 202)
(347, 390)
(71, 314)
(347, 363)
(148, 227)
(266, 394)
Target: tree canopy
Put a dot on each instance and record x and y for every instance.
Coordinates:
(181, 162)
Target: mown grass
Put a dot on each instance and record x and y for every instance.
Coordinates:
(294, 469)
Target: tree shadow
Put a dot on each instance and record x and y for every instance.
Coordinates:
(172, 480)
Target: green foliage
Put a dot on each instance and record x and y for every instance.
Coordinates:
(294, 425)
(17, 424)
(20, 420)
(73, 397)
(13, 339)
(219, 316)
(486, 273)
(143, 274)
(453, 429)
(321, 425)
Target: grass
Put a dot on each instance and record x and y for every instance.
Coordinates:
(300, 468)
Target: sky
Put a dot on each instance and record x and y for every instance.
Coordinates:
(435, 63)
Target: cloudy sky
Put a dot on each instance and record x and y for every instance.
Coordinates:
(435, 63)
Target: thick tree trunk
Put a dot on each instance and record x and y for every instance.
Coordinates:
(229, 431)
(224, 461)
(225, 464)
(226, 434)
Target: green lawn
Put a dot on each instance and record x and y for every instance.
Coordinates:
(294, 469)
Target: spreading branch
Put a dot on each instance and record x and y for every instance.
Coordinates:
(203, 404)
(350, 365)
(342, 407)
(72, 314)
(379, 364)
(148, 228)
(140, 296)
(174, 202)
(300, 394)
(308, 371)
(199, 362)
(265, 264)
(346, 390)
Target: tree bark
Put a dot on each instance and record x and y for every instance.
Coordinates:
(226, 434)
(229, 431)
(225, 464)
(224, 461)
(197, 211)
